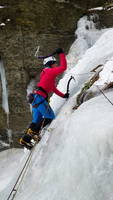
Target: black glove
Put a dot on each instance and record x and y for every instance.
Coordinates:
(66, 95)
(59, 50)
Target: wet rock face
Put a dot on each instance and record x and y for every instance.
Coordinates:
(29, 24)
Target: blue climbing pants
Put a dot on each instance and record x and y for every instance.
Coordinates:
(41, 109)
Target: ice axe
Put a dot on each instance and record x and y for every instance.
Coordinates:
(43, 57)
(72, 77)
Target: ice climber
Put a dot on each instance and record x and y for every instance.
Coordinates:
(42, 113)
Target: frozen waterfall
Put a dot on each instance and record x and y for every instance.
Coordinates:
(5, 104)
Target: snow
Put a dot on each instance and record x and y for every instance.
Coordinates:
(74, 159)
(2, 6)
(97, 8)
(98, 54)
(87, 35)
(8, 165)
(106, 76)
(8, 20)
(111, 8)
(107, 8)
(2, 24)
(75, 164)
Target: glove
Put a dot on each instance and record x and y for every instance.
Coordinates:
(59, 50)
(66, 95)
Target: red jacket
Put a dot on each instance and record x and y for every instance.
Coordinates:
(48, 76)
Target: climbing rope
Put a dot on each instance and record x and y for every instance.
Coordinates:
(21, 176)
(98, 88)
(25, 167)
(82, 74)
(105, 95)
(23, 171)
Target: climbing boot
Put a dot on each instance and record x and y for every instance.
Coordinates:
(37, 138)
(26, 141)
(33, 134)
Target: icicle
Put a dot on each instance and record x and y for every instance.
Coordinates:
(5, 104)
(9, 134)
(30, 86)
(30, 89)
(85, 37)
